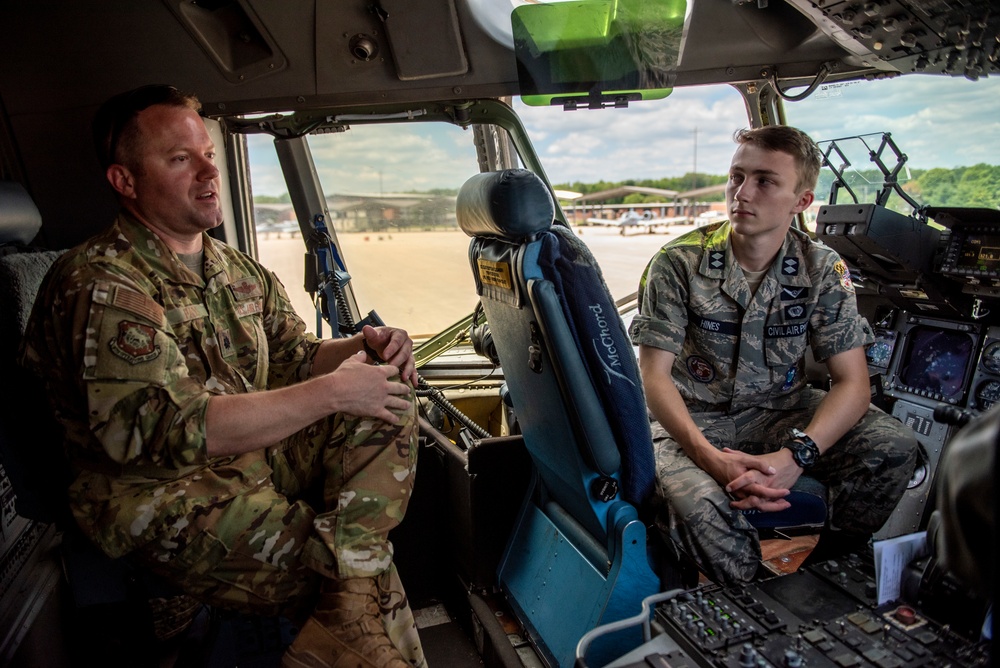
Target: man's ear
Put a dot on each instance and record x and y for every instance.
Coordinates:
(121, 180)
(805, 199)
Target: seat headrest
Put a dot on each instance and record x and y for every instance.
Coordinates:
(511, 204)
(19, 217)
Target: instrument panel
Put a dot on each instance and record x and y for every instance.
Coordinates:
(820, 616)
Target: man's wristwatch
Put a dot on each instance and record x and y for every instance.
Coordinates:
(805, 452)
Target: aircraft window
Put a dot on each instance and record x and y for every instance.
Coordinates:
(940, 124)
(391, 191)
(678, 145)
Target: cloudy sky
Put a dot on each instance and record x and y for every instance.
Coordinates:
(936, 121)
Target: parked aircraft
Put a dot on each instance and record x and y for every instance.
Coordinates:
(645, 220)
(524, 545)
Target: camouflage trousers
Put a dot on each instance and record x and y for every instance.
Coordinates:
(335, 491)
(865, 474)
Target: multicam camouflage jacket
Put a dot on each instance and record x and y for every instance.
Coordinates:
(735, 349)
(131, 344)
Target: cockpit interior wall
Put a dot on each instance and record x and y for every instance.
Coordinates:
(238, 56)
(344, 68)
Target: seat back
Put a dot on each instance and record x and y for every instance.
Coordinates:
(29, 436)
(574, 384)
(572, 375)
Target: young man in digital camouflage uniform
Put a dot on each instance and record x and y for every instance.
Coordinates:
(726, 313)
(209, 437)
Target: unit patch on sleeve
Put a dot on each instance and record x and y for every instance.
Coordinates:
(700, 369)
(844, 274)
(135, 343)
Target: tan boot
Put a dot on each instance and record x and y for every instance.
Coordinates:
(344, 631)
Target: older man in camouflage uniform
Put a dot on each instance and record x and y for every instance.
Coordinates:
(209, 436)
(726, 313)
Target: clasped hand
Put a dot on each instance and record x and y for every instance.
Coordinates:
(759, 482)
(395, 348)
(375, 391)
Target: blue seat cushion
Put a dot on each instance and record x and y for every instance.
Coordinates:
(808, 508)
(604, 345)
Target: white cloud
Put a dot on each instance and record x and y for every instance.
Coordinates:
(650, 139)
(373, 159)
(936, 121)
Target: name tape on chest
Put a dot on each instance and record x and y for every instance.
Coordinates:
(785, 331)
(714, 326)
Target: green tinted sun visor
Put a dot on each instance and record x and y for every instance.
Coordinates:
(597, 52)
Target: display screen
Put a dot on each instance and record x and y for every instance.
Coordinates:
(879, 353)
(980, 251)
(936, 360)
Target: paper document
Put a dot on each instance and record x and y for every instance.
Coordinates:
(891, 557)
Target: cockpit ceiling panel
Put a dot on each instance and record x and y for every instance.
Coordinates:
(727, 42)
(957, 38)
(329, 53)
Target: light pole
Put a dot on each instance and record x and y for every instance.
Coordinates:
(694, 175)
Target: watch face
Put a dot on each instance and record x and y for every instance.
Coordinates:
(804, 456)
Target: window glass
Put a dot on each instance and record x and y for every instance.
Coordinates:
(679, 146)
(391, 194)
(946, 127)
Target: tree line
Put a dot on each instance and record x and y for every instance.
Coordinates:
(975, 186)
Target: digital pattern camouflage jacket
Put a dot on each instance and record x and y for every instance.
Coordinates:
(735, 349)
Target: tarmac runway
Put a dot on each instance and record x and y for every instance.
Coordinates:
(421, 281)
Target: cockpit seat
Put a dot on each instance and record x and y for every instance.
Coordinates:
(578, 556)
(31, 452)
(24, 417)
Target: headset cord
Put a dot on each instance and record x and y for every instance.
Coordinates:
(438, 399)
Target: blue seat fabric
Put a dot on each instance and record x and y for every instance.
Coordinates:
(574, 385)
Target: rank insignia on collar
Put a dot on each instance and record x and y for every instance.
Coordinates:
(135, 343)
(717, 259)
(790, 266)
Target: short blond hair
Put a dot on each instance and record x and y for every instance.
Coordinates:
(796, 143)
